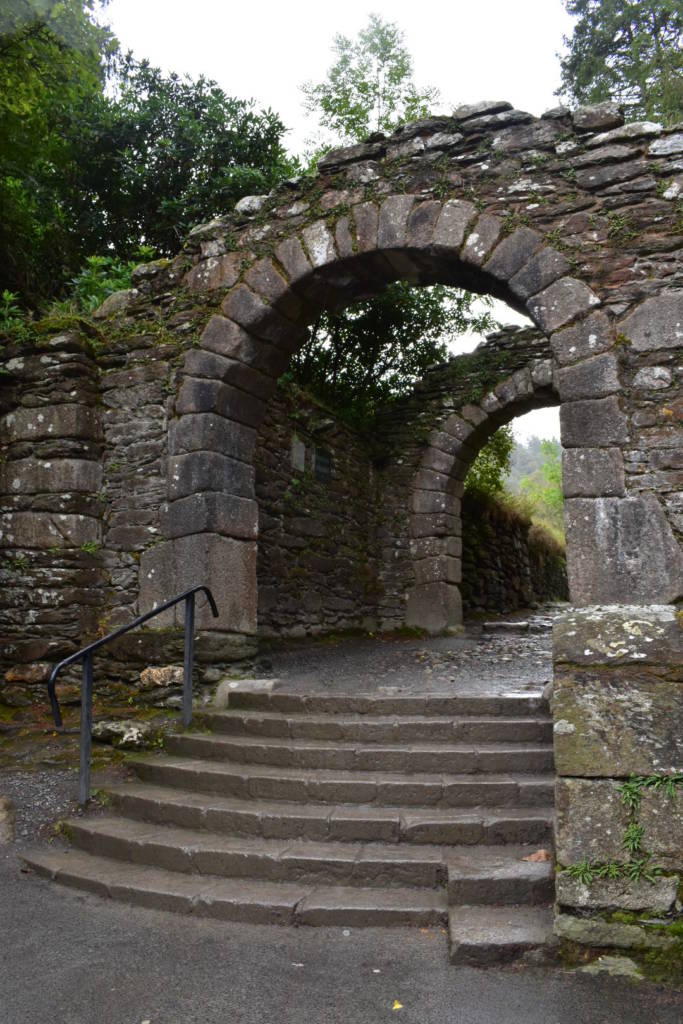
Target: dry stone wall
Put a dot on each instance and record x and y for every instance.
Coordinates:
(507, 563)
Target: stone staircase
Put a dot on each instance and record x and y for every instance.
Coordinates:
(333, 810)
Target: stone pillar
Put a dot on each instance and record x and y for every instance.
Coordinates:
(51, 571)
(618, 714)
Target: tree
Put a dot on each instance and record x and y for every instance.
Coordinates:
(543, 488)
(53, 58)
(370, 87)
(164, 153)
(486, 476)
(88, 171)
(375, 350)
(627, 50)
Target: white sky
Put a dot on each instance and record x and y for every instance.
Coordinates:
(471, 51)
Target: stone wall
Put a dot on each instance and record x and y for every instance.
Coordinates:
(507, 563)
(317, 493)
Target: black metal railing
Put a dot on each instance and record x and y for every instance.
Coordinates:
(86, 654)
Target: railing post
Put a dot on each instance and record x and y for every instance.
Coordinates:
(189, 660)
(86, 730)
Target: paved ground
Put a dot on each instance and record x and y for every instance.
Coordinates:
(68, 958)
(477, 662)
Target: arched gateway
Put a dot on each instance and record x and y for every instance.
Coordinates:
(574, 219)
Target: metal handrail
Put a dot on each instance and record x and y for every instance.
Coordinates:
(86, 653)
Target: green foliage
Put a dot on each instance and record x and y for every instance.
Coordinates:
(630, 52)
(164, 153)
(369, 87)
(636, 868)
(486, 476)
(542, 489)
(100, 153)
(375, 350)
(100, 277)
(53, 58)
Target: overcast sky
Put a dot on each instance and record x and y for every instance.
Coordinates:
(490, 49)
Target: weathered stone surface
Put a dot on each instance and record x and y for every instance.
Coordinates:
(670, 145)
(621, 551)
(226, 514)
(482, 239)
(658, 896)
(127, 735)
(594, 423)
(257, 317)
(540, 271)
(39, 672)
(611, 722)
(31, 476)
(469, 110)
(513, 253)
(265, 279)
(228, 566)
(592, 378)
(589, 337)
(393, 216)
(591, 820)
(598, 116)
(610, 174)
(208, 432)
(596, 932)
(208, 471)
(117, 303)
(319, 242)
(58, 421)
(44, 530)
(366, 219)
(153, 677)
(593, 473)
(561, 302)
(624, 635)
(615, 967)
(435, 607)
(421, 223)
(291, 256)
(351, 154)
(653, 378)
(633, 130)
(455, 218)
(210, 396)
(656, 324)
(248, 206)
(215, 272)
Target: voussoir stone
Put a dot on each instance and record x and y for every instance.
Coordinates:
(511, 254)
(561, 302)
(541, 270)
(393, 216)
(454, 220)
(482, 238)
(589, 337)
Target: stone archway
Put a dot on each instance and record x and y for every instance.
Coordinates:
(346, 234)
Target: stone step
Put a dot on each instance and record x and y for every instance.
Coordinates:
(302, 785)
(454, 758)
(273, 860)
(484, 936)
(506, 705)
(498, 875)
(320, 822)
(240, 899)
(382, 728)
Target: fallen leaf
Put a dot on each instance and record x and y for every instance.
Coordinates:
(397, 1005)
(539, 855)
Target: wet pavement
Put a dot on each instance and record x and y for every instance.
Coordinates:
(512, 654)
